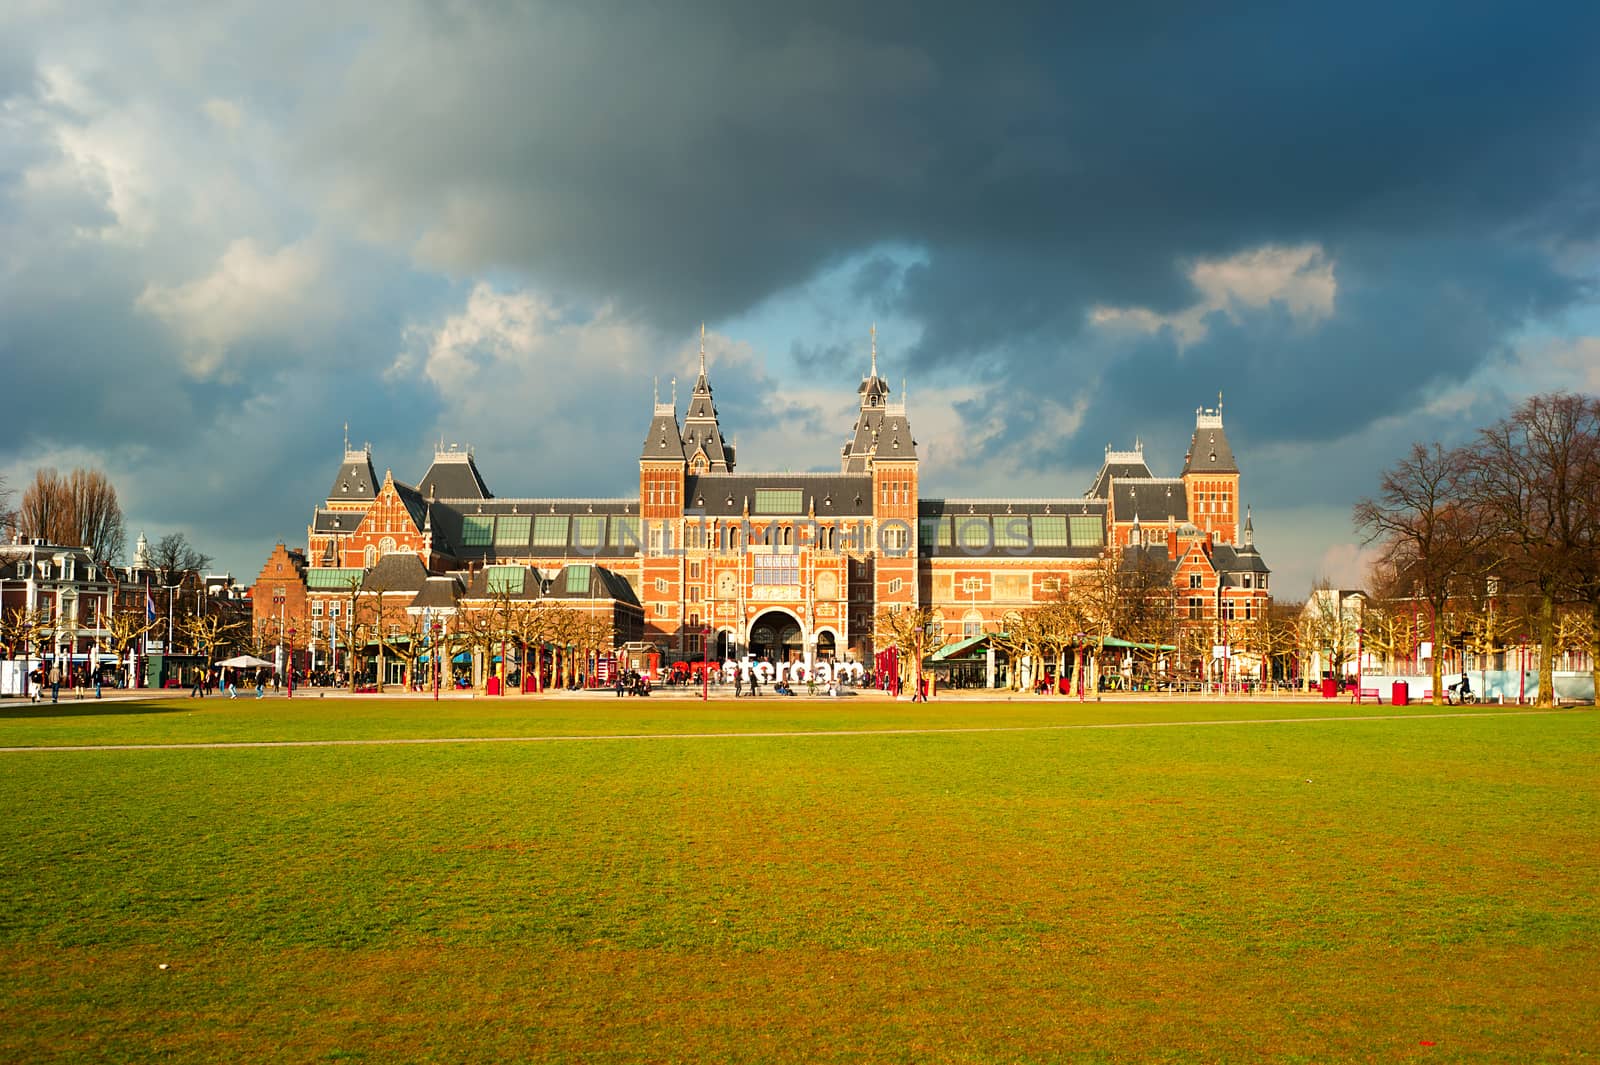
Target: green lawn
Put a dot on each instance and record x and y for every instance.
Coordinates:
(1341, 890)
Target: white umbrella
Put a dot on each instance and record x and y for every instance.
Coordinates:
(244, 662)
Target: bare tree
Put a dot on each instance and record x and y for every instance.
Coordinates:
(1430, 533)
(913, 632)
(1538, 473)
(173, 557)
(206, 633)
(78, 510)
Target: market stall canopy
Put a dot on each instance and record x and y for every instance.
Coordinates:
(244, 662)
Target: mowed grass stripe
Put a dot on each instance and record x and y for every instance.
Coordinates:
(1230, 893)
(180, 721)
(756, 733)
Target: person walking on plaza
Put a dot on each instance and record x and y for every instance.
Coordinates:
(197, 688)
(55, 683)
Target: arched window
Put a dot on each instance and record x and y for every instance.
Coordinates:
(386, 546)
(371, 556)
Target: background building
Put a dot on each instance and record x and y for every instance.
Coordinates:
(783, 564)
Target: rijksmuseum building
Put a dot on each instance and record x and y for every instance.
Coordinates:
(774, 564)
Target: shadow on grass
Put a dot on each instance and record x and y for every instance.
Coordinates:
(24, 711)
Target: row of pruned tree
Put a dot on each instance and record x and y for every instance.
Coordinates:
(379, 629)
(1498, 534)
(1129, 596)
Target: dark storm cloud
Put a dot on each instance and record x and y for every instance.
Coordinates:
(693, 161)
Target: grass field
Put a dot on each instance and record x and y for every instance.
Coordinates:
(1390, 885)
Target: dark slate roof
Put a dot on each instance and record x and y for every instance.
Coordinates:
(894, 436)
(453, 475)
(355, 479)
(439, 593)
(415, 505)
(520, 537)
(1208, 448)
(1119, 465)
(1151, 500)
(395, 573)
(556, 584)
(829, 495)
(880, 430)
(1009, 528)
(663, 442)
(1230, 559)
(701, 431)
(336, 522)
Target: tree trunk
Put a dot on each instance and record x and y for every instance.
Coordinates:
(1594, 652)
(1547, 661)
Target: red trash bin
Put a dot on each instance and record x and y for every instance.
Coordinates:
(1330, 688)
(1400, 695)
(493, 687)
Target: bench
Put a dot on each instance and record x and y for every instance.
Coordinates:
(1366, 693)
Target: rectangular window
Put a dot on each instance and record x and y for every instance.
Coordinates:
(895, 586)
(1051, 585)
(477, 531)
(316, 627)
(504, 580)
(972, 584)
(22, 570)
(694, 593)
(776, 570)
(1010, 531)
(694, 570)
(1196, 608)
(588, 531)
(661, 586)
(1263, 584)
(1050, 530)
(1087, 530)
(511, 530)
(779, 501)
(928, 530)
(577, 578)
(1195, 580)
(334, 609)
(1227, 610)
(316, 608)
(1012, 586)
(974, 533)
(625, 531)
(549, 530)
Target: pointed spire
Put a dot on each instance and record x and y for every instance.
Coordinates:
(674, 391)
(874, 372)
(702, 349)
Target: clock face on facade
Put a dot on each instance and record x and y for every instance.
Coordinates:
(827, 585)
(727, 585)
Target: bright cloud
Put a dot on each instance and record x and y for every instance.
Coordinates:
(251, 293)
(1300, 279)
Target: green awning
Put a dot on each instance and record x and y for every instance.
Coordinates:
(1112, 641)
(955, 650)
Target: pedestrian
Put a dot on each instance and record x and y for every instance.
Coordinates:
(197, 686)
(55, 683)
(35, 683)
(97, 684)
(620, 684)
(261, 683)
(230, 682)
(738, 685)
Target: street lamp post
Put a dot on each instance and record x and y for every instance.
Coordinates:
(1360, 633)
(290, 687)
(705, 665)
(1081, 639)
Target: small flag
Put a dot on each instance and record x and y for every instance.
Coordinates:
(149, 607)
